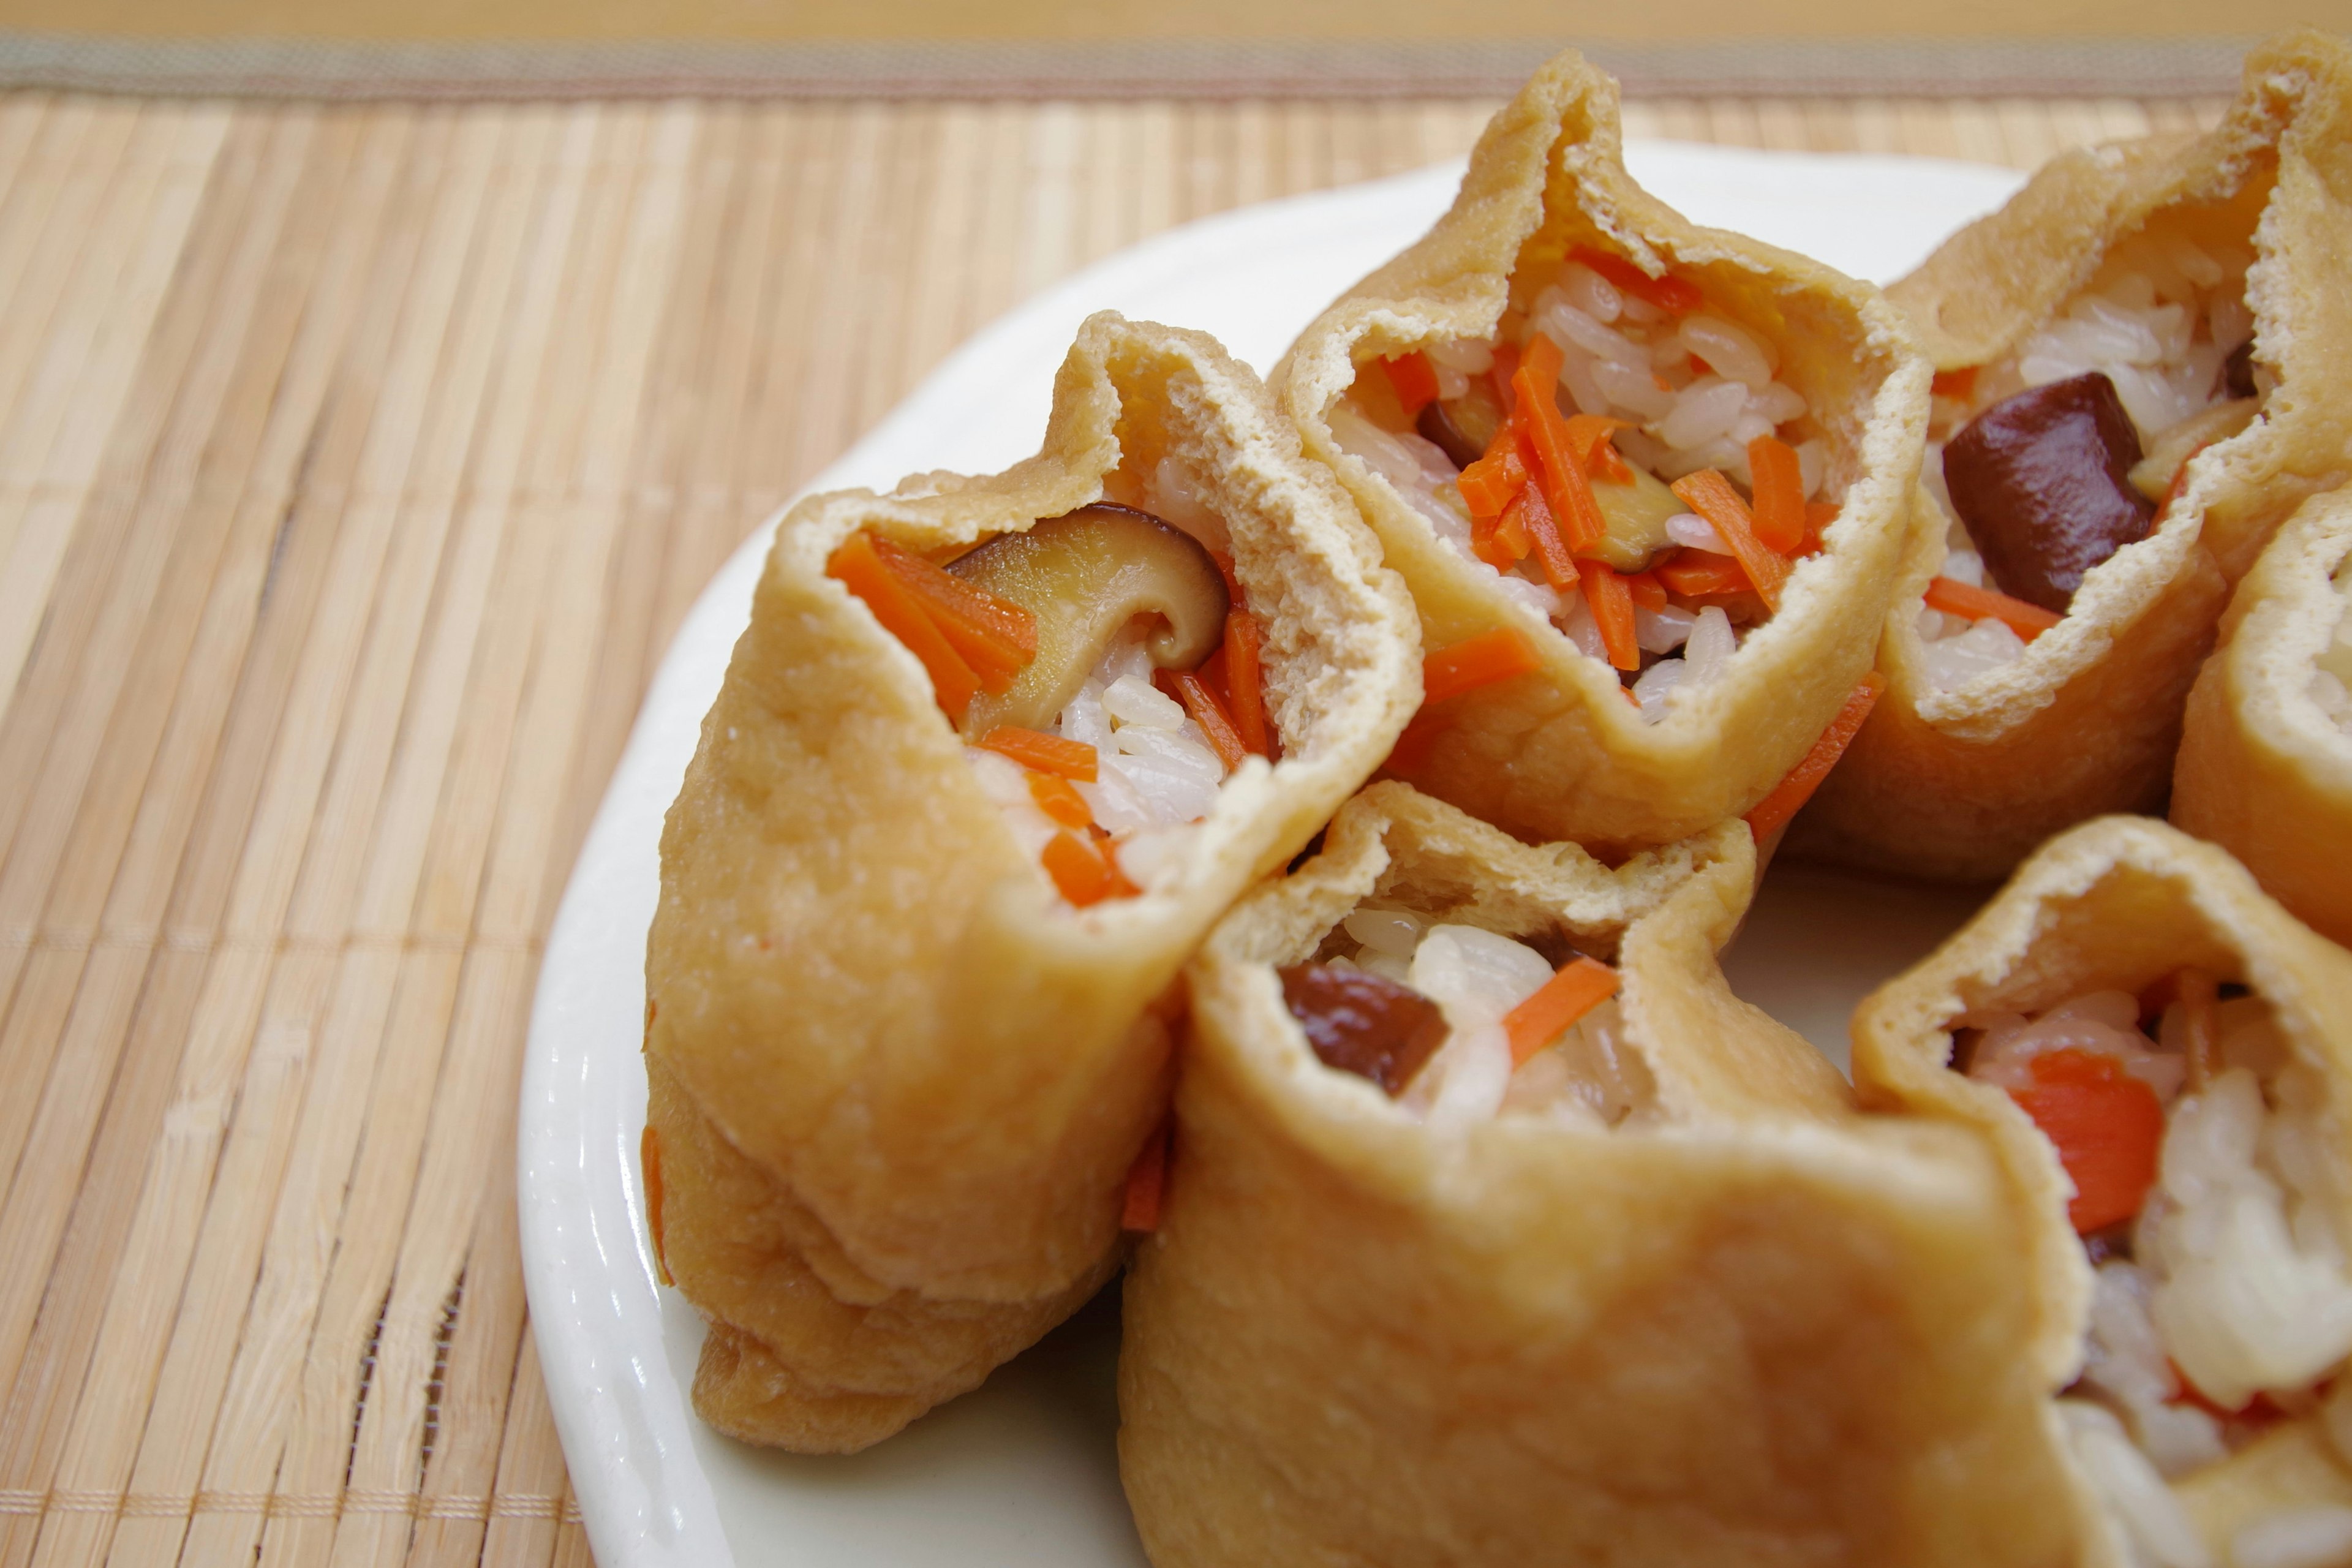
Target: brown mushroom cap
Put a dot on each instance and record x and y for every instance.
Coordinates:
(1085, 575)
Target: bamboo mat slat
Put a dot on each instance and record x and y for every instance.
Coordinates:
(356, 465)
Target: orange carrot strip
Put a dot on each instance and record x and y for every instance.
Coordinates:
(1780, 487)
(649, 1158)
(1506, 365)
(1474, 662)
(1667, 293)
(1581, 985)
(1245, 683)
(1791, 792)
(1414, 380)
(1207, 711)
(1957, 383)
(860, 570)
(1147, 1183)
(995, 637)
(1698, 573)
(1710, 495)
(1046, 754)
(1588, 433)
(2107, 1126)
(1056, 798)
(1647, 591)
(1543, 529)
(1612, 610)
(1971, 603)
(1510, 535)
(1494, 480)
(1537, 414)
(1234, 592)
(1079, 869)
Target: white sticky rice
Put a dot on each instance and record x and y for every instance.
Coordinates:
(1475, 977)
(2159, 319)
(1156, 774)
(1621, 358)
(2238, 1278)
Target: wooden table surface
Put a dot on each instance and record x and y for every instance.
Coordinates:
(355, 467)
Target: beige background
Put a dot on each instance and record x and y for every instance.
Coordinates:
(1029, 19)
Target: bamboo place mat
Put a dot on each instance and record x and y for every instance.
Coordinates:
(356, 465)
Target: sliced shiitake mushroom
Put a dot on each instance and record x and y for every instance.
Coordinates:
(1463, 427)
(1083, 577)
(1636, 516)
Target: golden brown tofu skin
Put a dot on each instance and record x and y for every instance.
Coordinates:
(897, 1082)
(1560, 754)
(1961, 783)
(2265, 764)
(1743, 1324)
(2120, 903)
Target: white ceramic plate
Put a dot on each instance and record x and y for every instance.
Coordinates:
(1024, 1471)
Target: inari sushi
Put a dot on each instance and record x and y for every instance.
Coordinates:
(1497, 1231)
(992, 757)
(2265, 764)
(2163, 1058)
(1648, 482)
(2141, 370)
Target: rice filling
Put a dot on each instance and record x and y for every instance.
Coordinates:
(1503, 1050)
(1681, 389)
(2203, 1160)
(2165, 322)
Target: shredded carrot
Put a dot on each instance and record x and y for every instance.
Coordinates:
(1234, 594)
(1647, 591)
(1589, 434)
(1474, 662)
(1059, 799)
(1494, 480)
(1046, 754)
(1818, 515)
(1537, 415)
(1972, 604)
(2107, 1126)
(1612, 610)
(860, 570)
(1208, 710)
(649, 1159)
(1774, 810)
(1699, 366)
(1147, 1183)
(1414, 380)
(1709, 494)
(1245, 683)
(1701, 573)
(1543, 530)
(1506, 367)
(1957, 383)
(997, 637)
(1779, 490)
(1671, 294)
(1212, 674)
(1083, 872)
(1581, 985)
